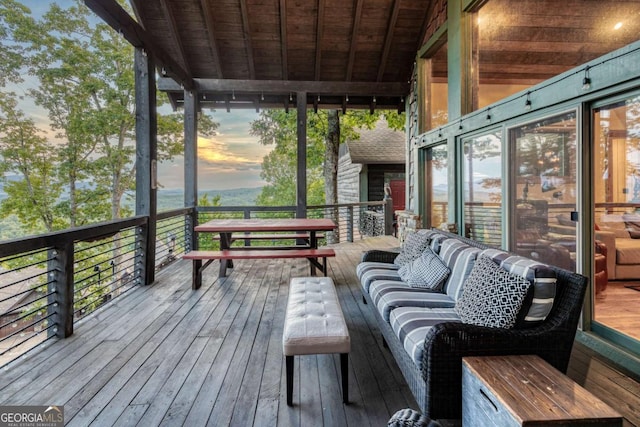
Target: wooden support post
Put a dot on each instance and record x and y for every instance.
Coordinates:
(350, 222)
(146, 158)
(301, 189)
(388, 216)
(61, 286)
(191, 166)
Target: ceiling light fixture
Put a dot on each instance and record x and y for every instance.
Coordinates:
(617, 26)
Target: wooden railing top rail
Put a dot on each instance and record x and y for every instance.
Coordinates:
(85, 233)
(284, 208)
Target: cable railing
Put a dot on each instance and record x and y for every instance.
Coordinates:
(173, 229)
(354, 220)
(50, 282)
(27, 303)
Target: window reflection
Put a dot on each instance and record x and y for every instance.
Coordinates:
(616, 144)
(521, 43)
(437, 186)
(482, 187)
(544, 190)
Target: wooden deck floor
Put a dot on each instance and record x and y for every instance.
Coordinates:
(167, 355)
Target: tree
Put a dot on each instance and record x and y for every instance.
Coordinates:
(32, 197)
(278, 128)
(15, 20)
(86, 83)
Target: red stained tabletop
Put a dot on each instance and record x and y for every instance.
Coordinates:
(267, 224)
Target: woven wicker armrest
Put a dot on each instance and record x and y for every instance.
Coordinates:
(411, 418)
(380, 256)
(447, 343)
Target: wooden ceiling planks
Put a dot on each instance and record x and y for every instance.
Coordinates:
(533, 40)
(271, 39)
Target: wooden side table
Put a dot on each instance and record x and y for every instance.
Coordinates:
(526, 391)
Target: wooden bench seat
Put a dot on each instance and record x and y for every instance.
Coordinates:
(270, 236)
(230, 254)
(314, 324)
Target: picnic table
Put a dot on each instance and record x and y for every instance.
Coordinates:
(304, 230)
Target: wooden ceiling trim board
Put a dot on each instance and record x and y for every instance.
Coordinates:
(247, 39)
(286, 87)
(137, 11)
(319, 34)
(387, 39)
(354, 39)
(117, 18)
(215, 50)
(169, 16)
(283, 39)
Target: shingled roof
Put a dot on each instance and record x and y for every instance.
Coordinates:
(378, 145)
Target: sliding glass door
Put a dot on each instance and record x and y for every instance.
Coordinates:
(616, 195)
(543, 191)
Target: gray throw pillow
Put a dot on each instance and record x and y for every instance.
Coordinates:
(427, 271)
(414, 244)
(492, 296)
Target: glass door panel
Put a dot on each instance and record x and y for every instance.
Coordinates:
(616, 195)
(482, 188)
(544, 218)
(437, 186)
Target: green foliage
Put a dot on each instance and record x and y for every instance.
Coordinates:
(33, 198)
(86, 84)
(279, 167)
(15, 20)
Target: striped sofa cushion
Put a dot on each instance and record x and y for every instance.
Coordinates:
(411, 325)
(436, 241)
(388, 295)
(370, 265)
(543, 279)
(378, 274)
(496, 255)
(460, 258)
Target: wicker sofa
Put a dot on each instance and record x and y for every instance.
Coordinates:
(436, 378)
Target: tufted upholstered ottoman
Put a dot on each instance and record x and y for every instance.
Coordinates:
(314, 324)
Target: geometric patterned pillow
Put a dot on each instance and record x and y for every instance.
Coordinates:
(414, 244)
(492, 296)
(427, 271)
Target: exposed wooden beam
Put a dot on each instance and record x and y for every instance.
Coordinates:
(247, 39)
(117, 18)
(291, 86)
(213, 43)
(387, 39)
(170, 18)
(283, 39)
(354, 42)
(319, 34)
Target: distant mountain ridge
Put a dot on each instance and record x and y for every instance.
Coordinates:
(174, 198)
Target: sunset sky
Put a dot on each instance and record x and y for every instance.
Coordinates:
(231, 159)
